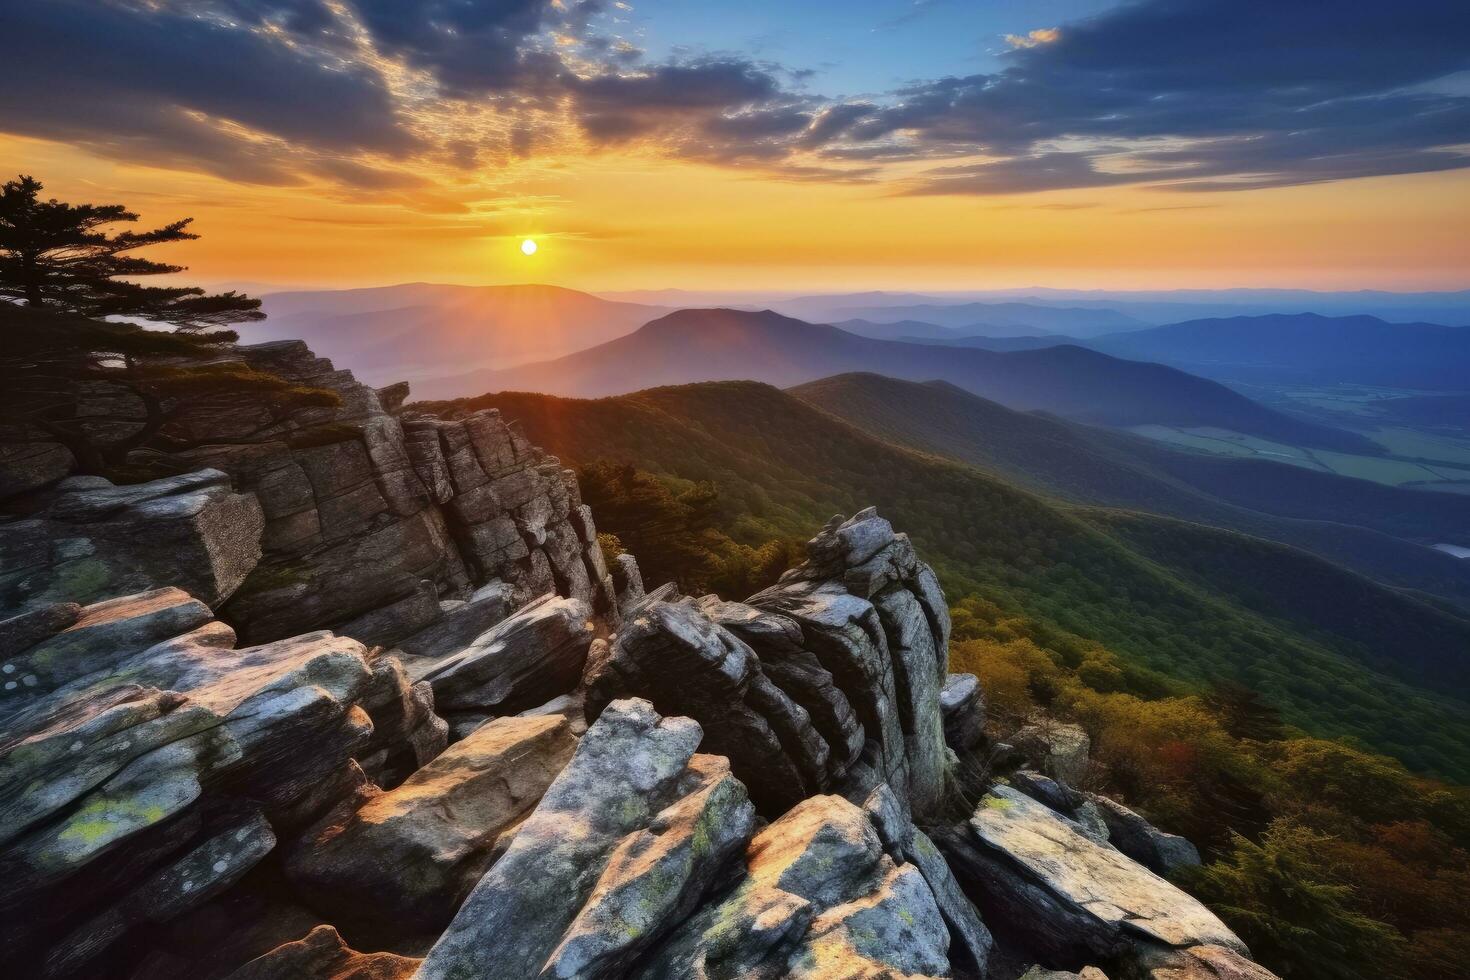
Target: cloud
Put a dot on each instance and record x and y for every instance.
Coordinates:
(1042, 35)
(1288, 92)
(159, 86)
(468, 46)
(617, 106)
(370, 95)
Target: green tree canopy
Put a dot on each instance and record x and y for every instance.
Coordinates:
(59, 257)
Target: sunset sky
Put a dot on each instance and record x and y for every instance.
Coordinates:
(762, 144)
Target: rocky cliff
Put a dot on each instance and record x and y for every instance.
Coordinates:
(356, 518)
(359, 701)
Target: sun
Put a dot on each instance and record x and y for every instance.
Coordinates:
(528, 246)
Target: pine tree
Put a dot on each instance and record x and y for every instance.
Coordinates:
(57, 256)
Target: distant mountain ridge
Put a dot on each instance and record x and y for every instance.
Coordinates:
(417, 330)
(918, 331)
(719, 345)
(1307, 347)
(1004, 319)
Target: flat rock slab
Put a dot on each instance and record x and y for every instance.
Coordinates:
(405, 859)
(1034, 848)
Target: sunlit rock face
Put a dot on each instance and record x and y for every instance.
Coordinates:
(829, 681)
(360, 518)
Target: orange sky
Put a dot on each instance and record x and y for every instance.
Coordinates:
(626, 220)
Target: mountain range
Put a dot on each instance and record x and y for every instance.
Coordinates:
(716, 345)
(1153, 307)
(416, 330)
(1339, 653)
(1003, 319)
(1307, 348)
(1277, 348)
(1383, 532)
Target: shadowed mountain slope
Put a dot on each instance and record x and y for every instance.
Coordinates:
(721, 345)
(780, 463)
(1356, 523)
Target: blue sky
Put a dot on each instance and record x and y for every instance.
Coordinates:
(863, 47)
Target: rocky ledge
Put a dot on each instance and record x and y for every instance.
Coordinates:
(359, 701)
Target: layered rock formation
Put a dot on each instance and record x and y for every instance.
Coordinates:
(153, 764)
(828, 681)
(360, 518)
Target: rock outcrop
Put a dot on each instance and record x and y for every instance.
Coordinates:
(828, 681)
(147, 765)
(624, 842)
(820, 898)
(521, 780)
(96, 541)
(1073, 900)
(526, 660)
(359, 518)
(324, 956)
(402, 861)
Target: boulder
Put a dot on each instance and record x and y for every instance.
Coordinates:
(462, 624)
(963, 706)
(672, 654)
(406, 731)
(656, 876)
(1042, 973)
(970, 942)
(1130, 833)
(630, 776)
(1193, 963)
(1044, 789)
(1059, 750)
(202, 873)
(402, 861)
(526, 660)
(631, 591)
(819, 898)
(1071, 899)
(322, 955)
(103, 635)
(96, 541)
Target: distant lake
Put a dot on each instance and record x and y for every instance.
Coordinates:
(1453, 549)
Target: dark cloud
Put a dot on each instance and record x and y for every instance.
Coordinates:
(157, 85)
(1292, 91)
(617, 106)
(469, 46)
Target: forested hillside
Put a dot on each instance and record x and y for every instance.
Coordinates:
(1376, 530)
(778, 465)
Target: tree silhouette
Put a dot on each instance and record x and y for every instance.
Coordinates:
(58, 257)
